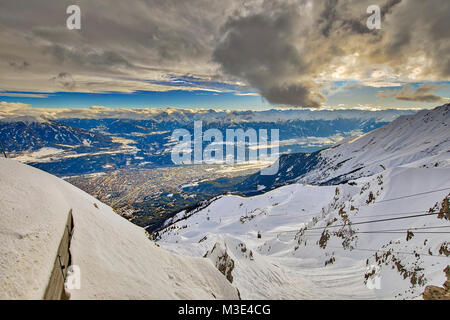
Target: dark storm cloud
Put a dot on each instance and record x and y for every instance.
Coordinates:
(65, 80)
(260, 49)
(86, 57)
(388, 6)
(281, 46)
(19, 65)
(424, 93)
(328, 17)
(293, 95)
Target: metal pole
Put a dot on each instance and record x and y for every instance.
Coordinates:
(3, 149)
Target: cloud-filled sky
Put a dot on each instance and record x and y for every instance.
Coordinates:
(225, 54)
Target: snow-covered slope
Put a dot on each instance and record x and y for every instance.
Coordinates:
(302, 242)
(407, 139)
(115, 257)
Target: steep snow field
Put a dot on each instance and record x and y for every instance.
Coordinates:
(116, 259)
(288, 264)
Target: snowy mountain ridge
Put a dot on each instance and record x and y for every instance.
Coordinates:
(408, 139)
(405, 140)
(31, 134)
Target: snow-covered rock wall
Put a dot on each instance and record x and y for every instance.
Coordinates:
(115, 257)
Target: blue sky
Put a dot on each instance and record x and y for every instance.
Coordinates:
(349, 94)
(142, 99)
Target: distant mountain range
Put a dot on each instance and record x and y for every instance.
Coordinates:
(30, 134)
(183, 116)
(85, 145)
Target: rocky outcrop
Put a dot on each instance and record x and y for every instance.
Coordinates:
(223, 262)
(438, 293)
